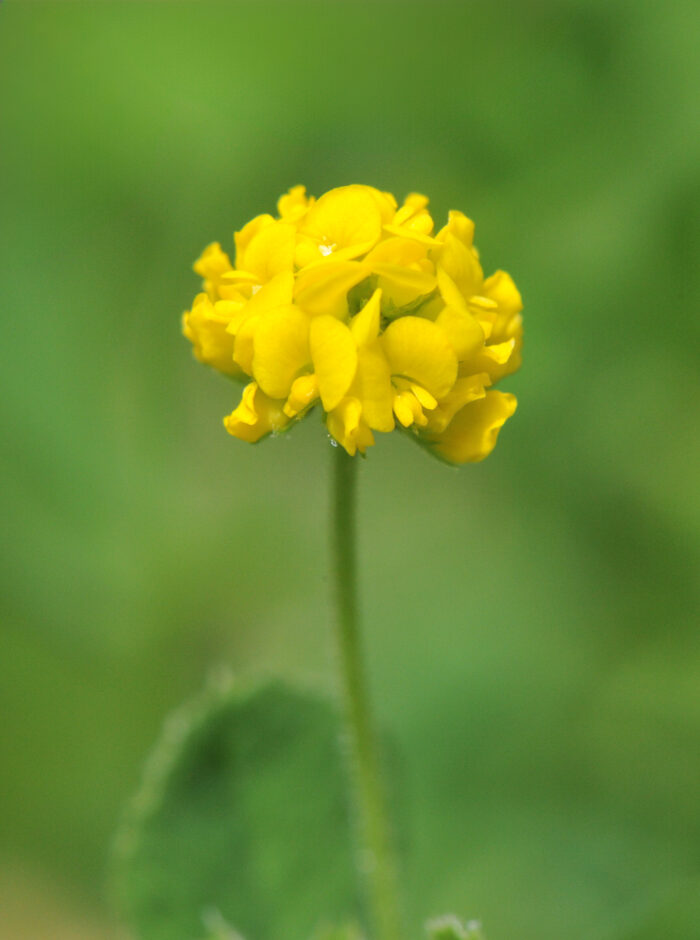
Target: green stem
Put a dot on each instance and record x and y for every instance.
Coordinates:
(376, 861)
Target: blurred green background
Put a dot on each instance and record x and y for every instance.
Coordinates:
(531, 622)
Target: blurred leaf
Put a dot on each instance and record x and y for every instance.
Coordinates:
(450, 928)
(241, 812)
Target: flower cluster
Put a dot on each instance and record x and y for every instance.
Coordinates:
(355, 303)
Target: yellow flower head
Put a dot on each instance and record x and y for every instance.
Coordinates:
(356, 304)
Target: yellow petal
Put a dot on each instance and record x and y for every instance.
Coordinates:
(212, 263)
(385, 202)
(246, 413)
(429, 308)
(466, 389)
(372, 386)
(243, 238)
(243, 348)
(346, 219)
(281, 350)
(229, 290)
(482, 303)
(423, 396)
(346, 426)
(461, 264)
(334, 356)
(462, 330)
(500, 353)
(449, 291)
(306, 251)
(256, 416)
(419, 350)
(294, 204)
(239, 279)
(323, 288)
(205, 327)
(231, 313)
(403, 409)
(501, 289)
(276, 293)
(303, 392)
(402, 286)
(416, 200)
(500, 359)
(408, 410)
(472, 433)
(460, 226)
(397, 250)
(413, 220)
(270, 251)
(415, 234)
(364, 326)
(413, 203)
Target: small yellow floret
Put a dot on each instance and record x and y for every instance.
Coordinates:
(256, 416)
(348, 428)
(205, 325)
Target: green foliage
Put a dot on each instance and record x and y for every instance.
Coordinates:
(676, 916)
(241, 818)
(345, 932)
(217, 927)
(450, 928)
